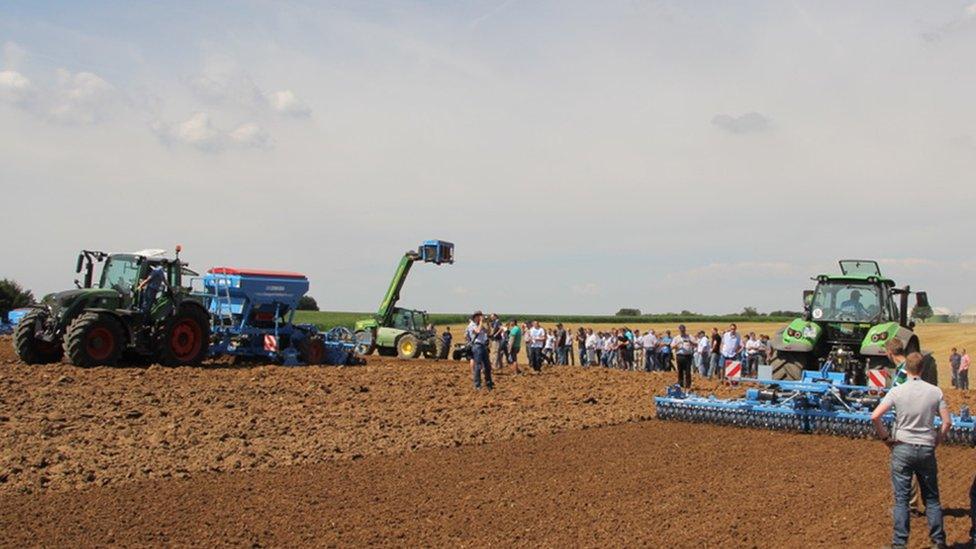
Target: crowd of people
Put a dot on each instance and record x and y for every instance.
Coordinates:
(496, 344)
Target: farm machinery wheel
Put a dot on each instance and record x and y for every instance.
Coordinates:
(183, 338)
(311, 350)
(440, 350)
(31, 348)
(788, 366)
(94, 339)
(408, 347)
(365, 342)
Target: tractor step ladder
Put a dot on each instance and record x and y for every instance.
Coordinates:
(223, 304)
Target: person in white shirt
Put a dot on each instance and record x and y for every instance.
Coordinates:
(649, 342)
(537, 340)
(683, 349)
(549, 346)
(701, 355)
(477, 334)
(731, 346)
(609, 344)
(754, 350)
(592, 342)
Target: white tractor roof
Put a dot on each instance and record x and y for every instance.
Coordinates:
(150, 252)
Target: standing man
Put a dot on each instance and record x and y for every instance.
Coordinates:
(592, 343)
(446, 339)
(560, 345)
(150, 286)
(537, 340)
(954, 360)
(964, 362)
(649, 342)
(514, 343)
(715, 356)
(701, 353)
(477, 333)
(683, 351)
(912, 441)
(731, 346)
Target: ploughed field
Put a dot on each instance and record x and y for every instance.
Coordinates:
(405, 453)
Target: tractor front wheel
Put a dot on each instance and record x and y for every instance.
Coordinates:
(94, 339)
(184, 338)
(408, 347)
(788, 366)
(30, 347)
(365, 342)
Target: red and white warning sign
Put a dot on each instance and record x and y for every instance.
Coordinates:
(878, 378)
(733, 369)
(271, 343)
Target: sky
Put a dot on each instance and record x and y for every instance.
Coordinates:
(583, 156)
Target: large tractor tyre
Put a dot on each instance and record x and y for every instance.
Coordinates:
(94, 339)
(31, 348)
(365, 342)
(787, 366)
(440, 350)
(184, 338)
(408, 347)
(311, 350)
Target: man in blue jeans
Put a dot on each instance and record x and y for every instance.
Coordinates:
(912, 441)
(477, 333)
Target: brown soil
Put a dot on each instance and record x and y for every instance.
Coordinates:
(407, 454)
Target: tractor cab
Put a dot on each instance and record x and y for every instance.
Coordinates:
(410, 320)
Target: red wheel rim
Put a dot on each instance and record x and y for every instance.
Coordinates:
(186, 340)
(100, 343)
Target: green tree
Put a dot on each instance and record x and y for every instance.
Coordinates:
(750, 311)
(12, 296)
(922, 313)
(628, 312)
(307, 303)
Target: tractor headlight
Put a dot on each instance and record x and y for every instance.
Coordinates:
(809, 331)
(879, 337)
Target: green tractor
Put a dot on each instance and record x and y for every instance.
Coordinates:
(848, 319)
(405, 333)
(99, 323)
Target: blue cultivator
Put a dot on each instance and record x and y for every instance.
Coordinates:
(815, 404)
(252, 317)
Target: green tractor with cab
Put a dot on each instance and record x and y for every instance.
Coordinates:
(848, 319)
(100, 322)
(405, 333)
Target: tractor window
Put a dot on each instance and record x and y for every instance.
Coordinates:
(121, 273)
(846, 302)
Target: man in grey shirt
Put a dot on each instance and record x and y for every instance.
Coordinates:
(912, 442)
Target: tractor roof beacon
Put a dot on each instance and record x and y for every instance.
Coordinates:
(394, 331)
(99, 321)
(848, 319)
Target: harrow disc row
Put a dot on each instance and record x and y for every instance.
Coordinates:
(758, 415)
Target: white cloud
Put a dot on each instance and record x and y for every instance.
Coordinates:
(587, 288)
(750, 122)
(286, 102)
(717, 271)
(82, 98)
(13, 55)
(201, 133)
(235, 87)
(14, 87)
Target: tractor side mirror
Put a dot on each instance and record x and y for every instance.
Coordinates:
(807, 299)
(81, 261)
(921, 299)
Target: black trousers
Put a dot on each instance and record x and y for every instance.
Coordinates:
(684, 370)
(535, 358)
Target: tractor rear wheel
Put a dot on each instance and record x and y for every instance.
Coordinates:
(365, 342)
(440, 349)
(29, 346)
(94, 339)
(788, 366)
(183, 338)
(311, 350)
(408, 346)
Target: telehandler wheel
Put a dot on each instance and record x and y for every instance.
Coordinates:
(365, 342)
(440, 350)
(94, 339)
(787, 366)
(311, 350)
(408, 346)
(183, 338)
(30, 348)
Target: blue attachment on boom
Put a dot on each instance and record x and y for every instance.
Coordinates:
(252, 315)
(815, 404)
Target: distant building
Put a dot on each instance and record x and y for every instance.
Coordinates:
(969, 315)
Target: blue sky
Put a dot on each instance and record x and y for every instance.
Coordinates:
(584, 156)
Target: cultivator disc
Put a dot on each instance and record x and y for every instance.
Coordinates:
(802, 409)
